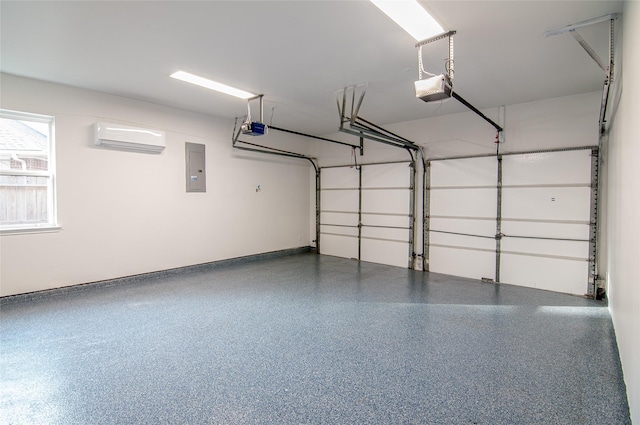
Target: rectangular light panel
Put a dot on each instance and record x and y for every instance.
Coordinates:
(212, 85)
(412, 17)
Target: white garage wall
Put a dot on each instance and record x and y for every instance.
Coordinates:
(125, 213)
(622, 268)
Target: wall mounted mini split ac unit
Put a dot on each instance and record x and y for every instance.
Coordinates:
(124, 137)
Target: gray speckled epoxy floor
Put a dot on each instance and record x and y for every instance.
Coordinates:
(309, 339)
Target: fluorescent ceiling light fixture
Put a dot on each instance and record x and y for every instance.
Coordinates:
(412, 17)
(213, 85)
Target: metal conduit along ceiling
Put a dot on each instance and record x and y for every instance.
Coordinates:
(299, 53)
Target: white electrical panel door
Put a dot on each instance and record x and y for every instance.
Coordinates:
(546, 200)
(339, 204)
(463, 210)
(195, 167)
(386, 202)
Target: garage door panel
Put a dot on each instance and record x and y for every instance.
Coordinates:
(464, 172)
(385, 220)
(386, 175)
(339, 200)
(474, 227)
(544, 273)
(383, 233)
(547, 203)
(547, 247)
(386, 201)
(548, 168)
(463, 188)
(546, 230)
(464, 202)
(343, 177)
(462, 241)
(339, 230)
(384, 252)
(339, 246)
(462, 262)
(339, 218)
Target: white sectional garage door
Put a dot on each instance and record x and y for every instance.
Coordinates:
(378, 196)
(545, 219)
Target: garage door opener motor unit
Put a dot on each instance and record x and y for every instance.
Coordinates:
(254, 128)
(431, 87)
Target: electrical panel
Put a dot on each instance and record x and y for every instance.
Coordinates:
(195, 167)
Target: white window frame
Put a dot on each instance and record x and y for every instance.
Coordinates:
(52, 212)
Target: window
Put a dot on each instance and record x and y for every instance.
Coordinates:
(27, 172)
